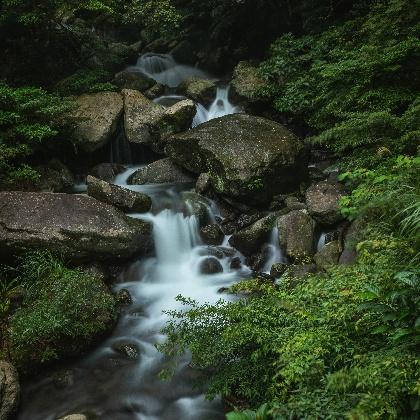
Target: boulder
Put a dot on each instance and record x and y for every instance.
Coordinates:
(211, 265)
(78, 227)
(352, 237)
(298, 272)
(296, 234)
(123, 297)
(328, 254)
(248, 158)
(277, 270)
(200, 90)
(246, 83)
(122, 198)
(163, 171)
(107, 171)
(236, 263)
(155, 91)
(197, 205)
(9, 390)
(212, 234)
(293, 203)
(150, 124)
(129, 79)
(74, 417)
(95, 119)
(203, 183)
(250, 239)
(323, 200)
(127, 349)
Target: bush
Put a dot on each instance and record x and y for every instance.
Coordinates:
(27, 119)
(64, 312)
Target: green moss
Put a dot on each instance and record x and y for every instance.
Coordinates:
(63, 313)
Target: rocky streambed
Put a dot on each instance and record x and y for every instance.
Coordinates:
(201, 208)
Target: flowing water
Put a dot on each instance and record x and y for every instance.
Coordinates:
(107, 383)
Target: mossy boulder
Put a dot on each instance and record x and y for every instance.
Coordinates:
(64, 312)
(76, 226)
(122, 198)
(198, 206)
(296, 234)
(9, 390)
(247, 158)
(128, 79)
(212, 234)
(328, 255)
(200, 90)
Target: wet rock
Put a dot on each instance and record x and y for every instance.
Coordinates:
(74, 417)
(328, 255)
(296, 234)
(323, 199)
(155, 91)
(277, 270)
(200, 90)
(293, 203)
(246, 83)
(211, 265)
(203, 184)
(123, 297)
(94, 121)
(248, 158)
(218, 251)
(250, 239)
(298, 272)
(150, 124)
(122, 198)
(9, 390)
(352, 237)
(63, 378)
(212, 234)
(234, 223)
(107, 171)
(128, 79)
(128, 350)
(78, 227)
(163, 171)
(236, 263)
(197, 205)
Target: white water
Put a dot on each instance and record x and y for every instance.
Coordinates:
(274, 252)
(165, 70)
(220, 107)
(321, 241)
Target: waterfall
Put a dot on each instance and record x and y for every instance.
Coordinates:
(273, 251)
(220, 107)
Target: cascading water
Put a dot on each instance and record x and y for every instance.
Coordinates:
(273, 251)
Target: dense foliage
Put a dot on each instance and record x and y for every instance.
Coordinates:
(63, 312)
(27, 119)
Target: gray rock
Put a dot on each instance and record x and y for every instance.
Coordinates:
(352, 237)
(128, 350)
(54, 177)
(247, 83)
(107, 171)
(197, 205)
(163, 171)
(323, 199)
(293, 203)
(298, 272)
(296, 234)
(9, 390)
(155, 91)
(277, 270)
(212, 234)
(95, 120)
(136, 80)
(211, 265)
(74, 417)
(122, 198)
(77, 226)
(218, 251)
(250, 239)
(200, 90)
(123, 297)
(236, 263)
(248, 158)
(203, 183)
(328, 255)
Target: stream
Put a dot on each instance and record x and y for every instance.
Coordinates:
(108, 384)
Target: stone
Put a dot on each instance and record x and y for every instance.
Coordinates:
(123, 297)
(203, 184)
(94, 121)
(248, 158)
(299, 272)
(9, 390)
(128, 350)
(323, 199)
(246, 83)
(352, 236)
(200, 90)
(211, 265)
(250, 239)
(63, 378)
(296, 234)
(218, 251)
(155, 91)
(328, 255)
(277, 270)
(107, 171)
(129, 79)
(122, 198)
(74, 417)
(293, 203)
(78, 227)
(163, 171)
(197, 205)
(212, 234)
(236, 263)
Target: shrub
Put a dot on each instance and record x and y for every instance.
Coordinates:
(63, 313)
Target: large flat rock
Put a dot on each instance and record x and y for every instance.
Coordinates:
(247, 158)
(76, 226)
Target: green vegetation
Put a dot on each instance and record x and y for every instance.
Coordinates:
(63, 312)
(26, 121)
(343, 343)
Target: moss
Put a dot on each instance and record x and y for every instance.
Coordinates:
(63, 313)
